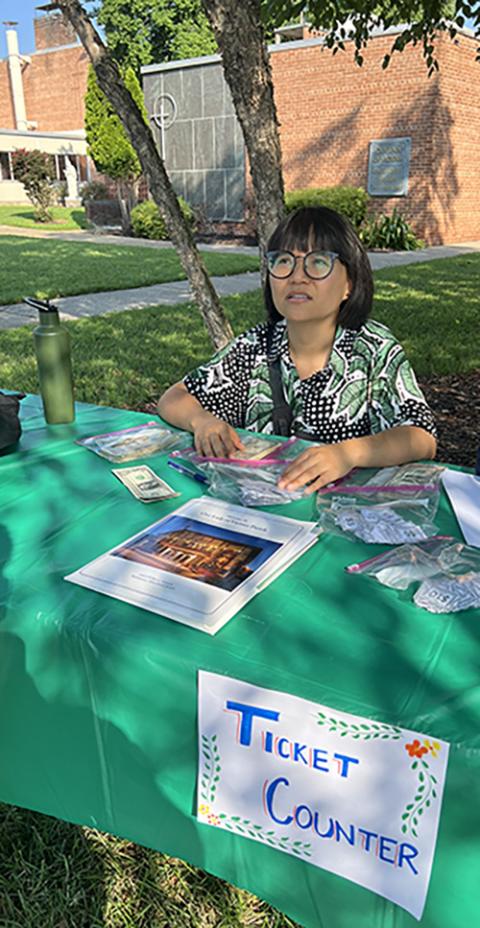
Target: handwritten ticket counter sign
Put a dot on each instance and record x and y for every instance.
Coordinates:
(388, 167)
(357, 797)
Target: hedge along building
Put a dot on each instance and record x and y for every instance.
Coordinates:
(42, 102)
(410, 140)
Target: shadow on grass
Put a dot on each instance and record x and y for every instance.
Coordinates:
(69, 219)
(59, 875)
(26, 214)
(79, 218)
(127, 359)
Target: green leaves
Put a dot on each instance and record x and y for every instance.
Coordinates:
(362, 15)
(211, 767)
(390, 231)
(424, 795)
(140, 32)
(107, 141)
(352, 398)
(363, 731)
(245, 826)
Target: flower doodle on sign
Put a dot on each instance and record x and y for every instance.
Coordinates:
(425, 792)
(415, 749)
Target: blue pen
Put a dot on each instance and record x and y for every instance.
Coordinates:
(188, 473)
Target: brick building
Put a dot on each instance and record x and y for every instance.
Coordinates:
(42, 102)
(335, 120)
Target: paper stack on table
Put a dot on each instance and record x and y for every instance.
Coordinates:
(200, 564)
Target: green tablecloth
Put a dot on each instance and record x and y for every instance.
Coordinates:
(98, 698)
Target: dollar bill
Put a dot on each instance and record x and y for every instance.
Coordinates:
(144, 484)
(255, 448)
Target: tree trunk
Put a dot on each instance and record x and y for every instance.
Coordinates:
(239, 34)
(110, 81)
(124, 209)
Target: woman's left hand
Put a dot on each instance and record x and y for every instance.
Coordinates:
(317, 467)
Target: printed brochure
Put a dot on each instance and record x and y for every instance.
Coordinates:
(200, 564)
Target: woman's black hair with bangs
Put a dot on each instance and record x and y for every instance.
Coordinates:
(318, 228)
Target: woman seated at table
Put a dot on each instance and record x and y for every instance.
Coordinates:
(346, 380)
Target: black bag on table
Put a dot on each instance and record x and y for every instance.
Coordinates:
(10, 428)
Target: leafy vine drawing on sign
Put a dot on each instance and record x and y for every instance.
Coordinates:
(425, 792)
(244, 826)
(363, 731)
(211, 768)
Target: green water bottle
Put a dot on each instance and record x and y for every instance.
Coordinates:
(52, 348)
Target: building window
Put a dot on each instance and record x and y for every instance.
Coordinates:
(6, 172)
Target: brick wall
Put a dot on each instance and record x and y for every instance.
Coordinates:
(52, 31)
(54, 85)
(455, 161)
(330, 109)
(7, 116)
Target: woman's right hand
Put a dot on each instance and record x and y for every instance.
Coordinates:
(214, 438)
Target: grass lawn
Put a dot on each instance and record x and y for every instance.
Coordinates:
(127, 359)
(65, 218)
(46, 268)
(433, 309)
(53, 874)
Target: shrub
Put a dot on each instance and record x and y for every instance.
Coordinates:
(147, 221)
(351, 202)
(94, 190)
(60, 190)
(35, 170)
(390, 232)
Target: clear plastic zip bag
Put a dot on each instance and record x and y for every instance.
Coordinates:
(247, 482)
(140, 441)
(249, 487)
(390, 505)
(260, 451)
(447, 571)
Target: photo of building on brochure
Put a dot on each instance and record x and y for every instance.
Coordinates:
(198, 551)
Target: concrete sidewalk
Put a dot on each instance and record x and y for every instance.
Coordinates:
(95, 304)
(112, 238)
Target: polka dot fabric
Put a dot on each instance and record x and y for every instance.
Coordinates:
(367, 387)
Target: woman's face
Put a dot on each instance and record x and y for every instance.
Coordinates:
(299, 298)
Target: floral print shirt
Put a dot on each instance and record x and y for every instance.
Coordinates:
(368, 385)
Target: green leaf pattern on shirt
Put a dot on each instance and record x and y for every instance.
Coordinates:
(368, 385)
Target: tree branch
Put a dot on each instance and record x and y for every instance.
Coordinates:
(110, 80)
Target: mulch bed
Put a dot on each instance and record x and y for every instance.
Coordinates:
(455, 402)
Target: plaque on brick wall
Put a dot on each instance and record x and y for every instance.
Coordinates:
(388, 165)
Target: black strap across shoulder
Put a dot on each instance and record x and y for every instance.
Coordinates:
(281, 413)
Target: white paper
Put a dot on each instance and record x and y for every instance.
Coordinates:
(464, 494)
(357, 797)
(201, 563)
